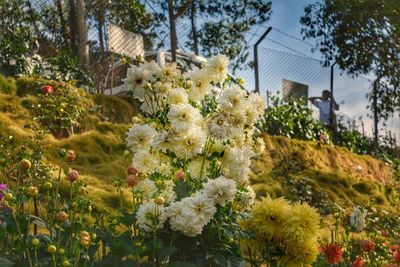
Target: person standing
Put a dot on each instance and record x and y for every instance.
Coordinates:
(323, 103)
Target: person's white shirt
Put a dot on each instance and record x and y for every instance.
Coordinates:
(324, 107)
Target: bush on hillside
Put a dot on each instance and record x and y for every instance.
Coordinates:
(292, 119)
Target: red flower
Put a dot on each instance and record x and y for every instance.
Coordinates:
(367, 245)
(394, 247)
(47, 89)
(357, 263)
(333, 253)
(396, 256)
(384, 233)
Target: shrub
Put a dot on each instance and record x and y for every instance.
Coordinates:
(60, 110)
(7, 85)
(292, 119)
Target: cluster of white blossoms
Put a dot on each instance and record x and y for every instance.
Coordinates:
(198, 130)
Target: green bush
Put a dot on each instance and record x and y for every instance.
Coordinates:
(7, 85)
(292, 119)
(353, 139)
(32, 86)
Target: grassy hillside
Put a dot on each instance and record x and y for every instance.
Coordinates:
(312, 170)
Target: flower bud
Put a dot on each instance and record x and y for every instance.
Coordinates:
(25, 164)
(61, 251)
(35, 242)
(132, 170)
(180, 176)
(82, 191)
(70, 156)
(159, 200)
(74, 205)
(65, 263)
(51, 249)
(62, 216)
(8, 196)
(93, 237)
(132, 180)
(84, 239)
(47, 185)
(73, 176)
(159, 183)
(189, 83)
(83, 233)
(32, 191)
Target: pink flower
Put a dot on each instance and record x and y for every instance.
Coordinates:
(73, 176)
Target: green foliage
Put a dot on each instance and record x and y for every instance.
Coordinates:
(292, 119)
(60, 111)
(7, 85)
(306, 190)
(353, 140)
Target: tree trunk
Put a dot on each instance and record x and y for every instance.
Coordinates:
(83, 45)
(194, 29)
(73, 36)
(63, 23)
(100, 25)
(172, 29)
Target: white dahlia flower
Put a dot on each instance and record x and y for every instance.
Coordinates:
(151, 216)
(140, 136)
(221, 190)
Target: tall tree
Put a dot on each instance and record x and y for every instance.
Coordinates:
(362, 36)
(83, 43)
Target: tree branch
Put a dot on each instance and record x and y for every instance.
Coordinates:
(182, 9)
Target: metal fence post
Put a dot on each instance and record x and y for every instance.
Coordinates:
(332, 122)
(256, 71)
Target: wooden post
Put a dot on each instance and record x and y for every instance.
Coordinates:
(172, 29)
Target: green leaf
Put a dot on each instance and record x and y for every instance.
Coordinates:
(182, 264)
(166, 252)
(5, 262)
(38, 221)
